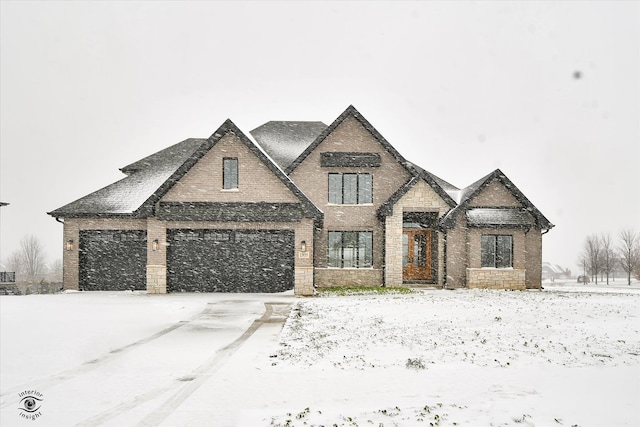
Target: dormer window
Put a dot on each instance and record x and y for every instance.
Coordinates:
(350, 188)
(230, 173)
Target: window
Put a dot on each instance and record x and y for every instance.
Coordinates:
(350, 249)
(497, 251)
(229, 174)
(350, 188)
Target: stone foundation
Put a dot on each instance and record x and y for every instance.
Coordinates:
(303, 281)
(329, 277)
(156, 279)
(496, 278)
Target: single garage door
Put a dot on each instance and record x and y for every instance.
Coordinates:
(113, 260)
(230, 260)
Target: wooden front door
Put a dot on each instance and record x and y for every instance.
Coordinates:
(416, 255)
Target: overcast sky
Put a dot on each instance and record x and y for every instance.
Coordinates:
(548, 92)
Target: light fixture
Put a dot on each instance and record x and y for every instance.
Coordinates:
(303, 246)
(69, 245)
(154, 245)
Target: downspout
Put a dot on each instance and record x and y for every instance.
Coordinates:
(444, 255)
(384, 251)
(63, 253)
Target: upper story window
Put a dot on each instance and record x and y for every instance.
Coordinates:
(497, 251)
(230, 173)
(350, 188)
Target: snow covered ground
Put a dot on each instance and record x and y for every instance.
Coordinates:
(569, 355)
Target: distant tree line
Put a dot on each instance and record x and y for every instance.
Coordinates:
(601, 256)
(30, 264)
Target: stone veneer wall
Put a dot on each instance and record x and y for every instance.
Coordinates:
(420, 198)
(156, 279)
(496, 278)
(304, 281)
(329, 277)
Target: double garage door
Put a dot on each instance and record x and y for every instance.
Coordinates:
(197, 260)
(230, 260)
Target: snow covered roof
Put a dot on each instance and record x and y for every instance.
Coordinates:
(554, 268)
(499, 217)
(177, 153)
(284, 141)
(145, 176)
(150, 178)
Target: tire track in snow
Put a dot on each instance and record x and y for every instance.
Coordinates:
(195, 379)
(56, 379)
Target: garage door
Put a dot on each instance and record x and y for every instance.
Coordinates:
(230, 261)
(113, 260)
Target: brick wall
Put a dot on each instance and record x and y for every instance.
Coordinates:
(495, 194)
(533, 259)
(312, 179)
(464, 249)
(203, 182)
(496, 278)
(456, 255)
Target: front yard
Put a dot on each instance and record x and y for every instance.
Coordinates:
(568, 356)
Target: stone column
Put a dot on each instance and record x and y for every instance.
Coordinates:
(156, 257)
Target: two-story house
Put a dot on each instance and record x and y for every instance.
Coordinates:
(298, 205)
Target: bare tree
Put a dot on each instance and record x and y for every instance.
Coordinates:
(629, 250)
(593, 255)
(608, 255)
(32, 254)
(15, 264)
(55, 272)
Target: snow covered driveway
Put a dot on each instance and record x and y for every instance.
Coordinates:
(100, 357)
(561, 357)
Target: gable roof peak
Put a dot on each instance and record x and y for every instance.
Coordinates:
(226, 127)
(470, 192)
(351, 111)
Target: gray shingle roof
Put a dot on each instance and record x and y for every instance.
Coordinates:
(499, 217)
(150, 178)
(126, 196)
(177, 153)
(284, 141)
